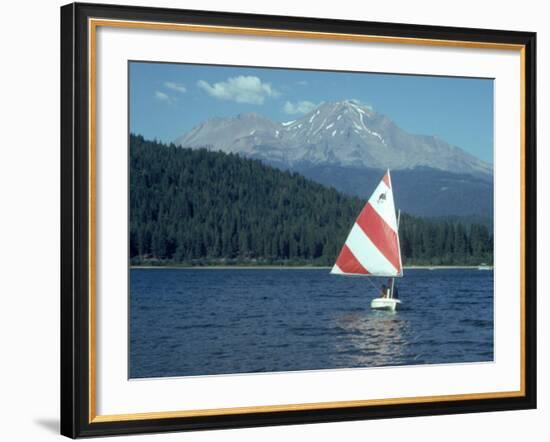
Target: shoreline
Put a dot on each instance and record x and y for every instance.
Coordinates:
(275, 267)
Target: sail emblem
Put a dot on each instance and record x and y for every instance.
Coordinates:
(372, 246)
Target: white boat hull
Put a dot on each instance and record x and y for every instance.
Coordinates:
(385, 304)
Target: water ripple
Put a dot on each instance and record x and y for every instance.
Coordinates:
(196, 322)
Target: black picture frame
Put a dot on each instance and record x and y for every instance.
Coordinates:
(75, 221)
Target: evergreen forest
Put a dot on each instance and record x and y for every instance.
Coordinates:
(198, 207)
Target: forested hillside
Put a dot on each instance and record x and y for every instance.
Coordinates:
(199, 207)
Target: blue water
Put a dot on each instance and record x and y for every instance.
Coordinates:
(209, 321)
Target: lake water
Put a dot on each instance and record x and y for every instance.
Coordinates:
(214, 321)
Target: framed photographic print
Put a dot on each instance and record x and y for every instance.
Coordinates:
(274, 220)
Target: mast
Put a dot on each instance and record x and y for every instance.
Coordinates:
(393, 279)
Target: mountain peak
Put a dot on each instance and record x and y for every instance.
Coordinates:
(348, 105)
(343, 133)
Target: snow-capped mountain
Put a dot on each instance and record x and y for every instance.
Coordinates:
(343, 133)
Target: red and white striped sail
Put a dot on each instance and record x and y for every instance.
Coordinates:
(372, 246)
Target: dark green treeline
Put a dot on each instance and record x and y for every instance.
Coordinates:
(200, 207)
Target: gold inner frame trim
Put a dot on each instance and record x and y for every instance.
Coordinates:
(93, 24)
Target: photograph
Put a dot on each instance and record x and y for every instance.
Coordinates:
(284, 219)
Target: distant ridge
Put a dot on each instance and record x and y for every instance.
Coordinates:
(421, 191)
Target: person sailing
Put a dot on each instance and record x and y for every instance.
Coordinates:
(386, 290)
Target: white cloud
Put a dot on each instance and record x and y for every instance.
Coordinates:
(175, 86)
(299, 107)
(162, 96)
(242, 89)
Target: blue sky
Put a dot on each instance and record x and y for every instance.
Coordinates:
(168, 99)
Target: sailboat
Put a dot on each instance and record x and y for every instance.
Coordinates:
(372, 246)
